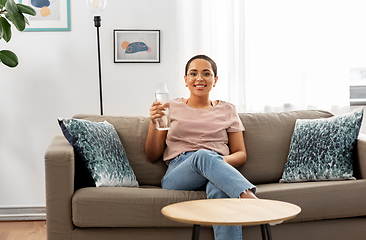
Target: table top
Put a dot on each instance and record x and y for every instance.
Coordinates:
(231, 211)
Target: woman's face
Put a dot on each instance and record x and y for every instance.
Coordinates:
(200, 77)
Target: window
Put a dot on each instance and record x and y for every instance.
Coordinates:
(278, 55)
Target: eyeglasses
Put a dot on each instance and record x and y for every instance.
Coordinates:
(205, 75)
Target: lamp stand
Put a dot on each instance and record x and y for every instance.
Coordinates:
(97, 24)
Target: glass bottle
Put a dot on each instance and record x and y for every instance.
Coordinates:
(162, 95)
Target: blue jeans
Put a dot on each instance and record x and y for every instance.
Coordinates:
(194, 171)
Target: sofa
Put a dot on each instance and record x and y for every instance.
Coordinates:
(75, 210)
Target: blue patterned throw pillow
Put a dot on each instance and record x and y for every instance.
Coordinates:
(321, 149)
(99, 146)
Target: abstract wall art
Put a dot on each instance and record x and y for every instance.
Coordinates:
(52, 15)
(136, 46)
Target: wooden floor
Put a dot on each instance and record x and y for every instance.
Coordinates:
(27, 230)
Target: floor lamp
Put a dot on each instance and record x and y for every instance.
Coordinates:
(97, 7)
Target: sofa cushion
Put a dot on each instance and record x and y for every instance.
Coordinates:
(267, 139)
(141, 207)
(320, 200)
(127, 207)
(99, 147)
(321, 149)
(132, 132)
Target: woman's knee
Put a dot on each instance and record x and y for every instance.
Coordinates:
(205, 159)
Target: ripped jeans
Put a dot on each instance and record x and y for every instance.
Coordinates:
(193, 171)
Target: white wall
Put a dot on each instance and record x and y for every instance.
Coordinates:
(58, 77)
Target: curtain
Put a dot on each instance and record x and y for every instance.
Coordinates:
(276, 55)
(298, 53)
(213, 28)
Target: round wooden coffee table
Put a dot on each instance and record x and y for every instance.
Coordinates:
(231, 211)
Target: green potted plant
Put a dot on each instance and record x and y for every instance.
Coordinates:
(11, 12)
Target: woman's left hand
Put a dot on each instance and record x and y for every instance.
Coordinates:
(238, 154)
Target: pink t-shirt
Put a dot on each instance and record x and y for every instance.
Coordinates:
(192, 129)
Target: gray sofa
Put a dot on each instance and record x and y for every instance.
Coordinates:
(330, 209)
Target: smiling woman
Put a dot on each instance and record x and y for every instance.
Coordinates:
(200, 80)
(200, 77)
(204, 143)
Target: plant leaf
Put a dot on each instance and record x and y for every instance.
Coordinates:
(11, 7)
(2, 3)
(6, 29)
(1, 30)
(26, 20)
(26, 9)
(17, 19)
(9, 58)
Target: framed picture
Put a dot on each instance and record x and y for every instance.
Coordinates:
(136, 46)
(52, 15)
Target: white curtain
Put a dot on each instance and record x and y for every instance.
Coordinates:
(276, 55)
(213, 28)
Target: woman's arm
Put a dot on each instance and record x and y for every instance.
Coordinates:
(238, 154)
(155, 141)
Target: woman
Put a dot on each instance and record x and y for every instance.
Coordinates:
(204, 144)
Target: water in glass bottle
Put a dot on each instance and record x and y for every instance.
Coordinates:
(162, 95)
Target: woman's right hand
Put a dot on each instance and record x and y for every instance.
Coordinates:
(157, 110)
(155, 141)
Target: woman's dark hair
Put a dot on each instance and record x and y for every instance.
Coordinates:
(204, 57)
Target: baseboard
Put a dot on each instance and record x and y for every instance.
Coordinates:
(22, 213)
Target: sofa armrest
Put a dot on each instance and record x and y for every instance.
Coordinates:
(59, 164)
(360, 160)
